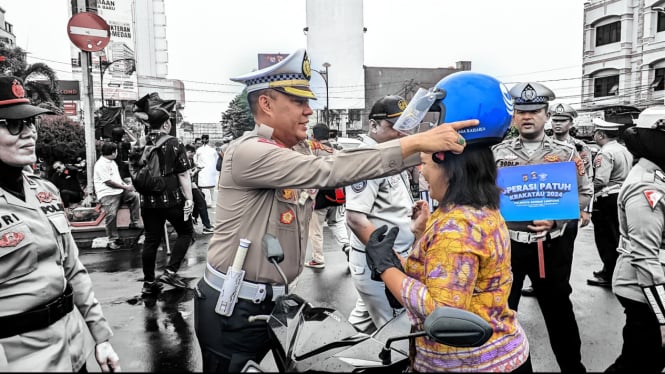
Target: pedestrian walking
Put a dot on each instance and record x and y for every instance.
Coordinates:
(639, 276)
(49, 310)
(333, 214)
(462, 255)
(112, 191)
(200, 206)
(174, 204)
(206, 156)
(532, 146)
(266, 190)
(370, 204)
(611, 167)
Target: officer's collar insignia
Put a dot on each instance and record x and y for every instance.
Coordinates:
(528, 93)
(306, 67)
(652, 197)
(45, 196)
(11, 239)
(288, 194)
(552, 158)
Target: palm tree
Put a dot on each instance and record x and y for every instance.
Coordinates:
(39, 79)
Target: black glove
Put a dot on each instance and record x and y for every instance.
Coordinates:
(379, 251)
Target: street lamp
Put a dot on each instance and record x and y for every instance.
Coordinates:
(106, 66)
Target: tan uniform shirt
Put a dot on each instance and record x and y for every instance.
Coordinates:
(264, 187)
(641, 261)
(38, 256)
(511, 152)
(612, 164)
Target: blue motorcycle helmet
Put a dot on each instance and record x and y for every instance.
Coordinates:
(471, 95)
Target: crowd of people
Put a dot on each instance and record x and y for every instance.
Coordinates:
(405, 255)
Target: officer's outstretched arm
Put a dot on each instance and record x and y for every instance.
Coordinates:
(439, 139)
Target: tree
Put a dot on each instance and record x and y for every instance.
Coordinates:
(238, 117)
(39, 80)
(60, 139)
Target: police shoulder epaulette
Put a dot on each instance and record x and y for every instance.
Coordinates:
(31, 178)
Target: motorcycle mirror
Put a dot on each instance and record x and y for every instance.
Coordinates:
(272, 249)
(457, 328)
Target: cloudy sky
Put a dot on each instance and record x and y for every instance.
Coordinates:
(212, 40)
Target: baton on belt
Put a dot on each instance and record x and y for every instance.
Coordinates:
(228, 296)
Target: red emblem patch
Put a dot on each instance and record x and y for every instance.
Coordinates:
(17, 89)
(580, 166)
(652, 197)
(45, 197)
(11, 239)
(597, 161)
(287, 217)
(552, 158)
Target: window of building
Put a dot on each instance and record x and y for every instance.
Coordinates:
(606, 86)
(610, 33)
(658, 83)
(661, 22)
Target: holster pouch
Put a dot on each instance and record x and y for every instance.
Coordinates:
(228, 296)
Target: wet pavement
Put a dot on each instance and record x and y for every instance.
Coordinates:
(157, 335)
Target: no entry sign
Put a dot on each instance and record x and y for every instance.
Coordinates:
(88, 31)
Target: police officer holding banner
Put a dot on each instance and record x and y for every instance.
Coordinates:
(639, 277)
(267, 187)
(611, 167)
(48, 310)
(532, 146)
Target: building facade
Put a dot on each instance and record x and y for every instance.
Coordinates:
(624, 53)
(6, 31)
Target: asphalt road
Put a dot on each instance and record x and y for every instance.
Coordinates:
(159, 335)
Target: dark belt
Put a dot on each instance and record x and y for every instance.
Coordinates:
(38, 318)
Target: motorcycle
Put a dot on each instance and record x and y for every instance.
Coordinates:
(309, 338)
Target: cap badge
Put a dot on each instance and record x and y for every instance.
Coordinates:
(528, 93)
(559, 109)
(17, 89)
(306, 67)
(401, 104)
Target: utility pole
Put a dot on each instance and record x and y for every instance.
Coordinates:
(88, 109)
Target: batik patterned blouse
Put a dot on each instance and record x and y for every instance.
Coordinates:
(463, 260)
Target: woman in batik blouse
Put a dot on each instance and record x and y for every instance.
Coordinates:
(461, 259)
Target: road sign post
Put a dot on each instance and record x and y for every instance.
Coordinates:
(90, 33)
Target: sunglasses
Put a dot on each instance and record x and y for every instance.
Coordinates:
(15, 126)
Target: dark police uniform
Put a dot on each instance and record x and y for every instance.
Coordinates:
(267, 188)
(553, 291)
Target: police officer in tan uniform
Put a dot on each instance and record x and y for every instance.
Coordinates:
(532, 146)
(611, 167)
(639, 276)
(267, 186)
(48, 310)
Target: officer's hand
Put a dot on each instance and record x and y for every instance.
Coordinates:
(107, 358)
(439, 139)
(585, 218)
(419, 217)
(379, 251)
(541, 225)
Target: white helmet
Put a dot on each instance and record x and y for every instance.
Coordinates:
(651, 118)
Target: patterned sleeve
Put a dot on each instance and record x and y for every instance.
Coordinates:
(448, 261)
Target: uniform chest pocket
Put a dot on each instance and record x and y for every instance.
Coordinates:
(16, 257)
